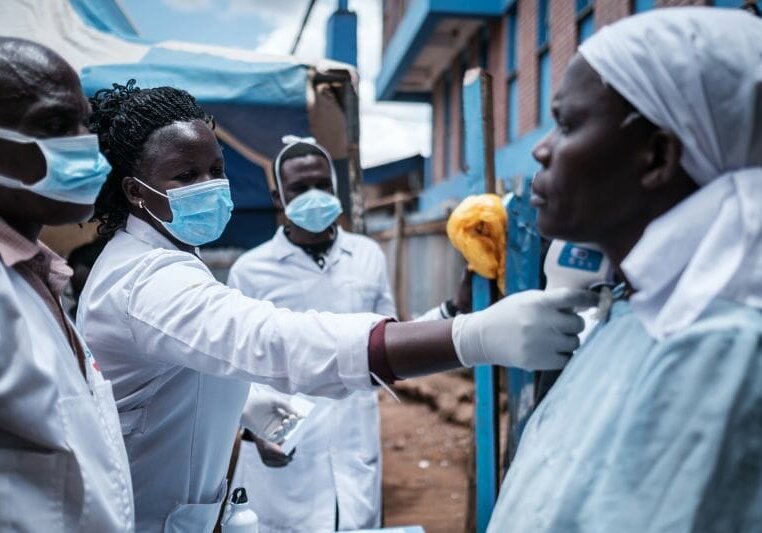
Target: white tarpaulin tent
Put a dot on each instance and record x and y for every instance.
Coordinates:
(255, 98)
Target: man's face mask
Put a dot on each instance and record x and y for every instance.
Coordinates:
(314, 210)
(76, 169)
(200, 211)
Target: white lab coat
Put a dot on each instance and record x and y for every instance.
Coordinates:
(338, 456)
(63, 465)
(180, 349)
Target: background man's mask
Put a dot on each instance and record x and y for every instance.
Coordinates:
(313, 210)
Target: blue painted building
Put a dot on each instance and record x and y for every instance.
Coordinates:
(525, 44)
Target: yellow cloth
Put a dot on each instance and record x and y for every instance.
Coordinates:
(477, 230)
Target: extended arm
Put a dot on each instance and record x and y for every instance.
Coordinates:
(182, 316)
(534, 330)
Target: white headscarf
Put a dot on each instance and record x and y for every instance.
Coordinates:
(696, 72)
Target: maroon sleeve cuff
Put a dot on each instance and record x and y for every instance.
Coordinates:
(378, 362)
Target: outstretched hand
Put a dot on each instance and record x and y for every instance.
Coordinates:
(533, 330)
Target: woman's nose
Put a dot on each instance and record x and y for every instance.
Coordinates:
(541, 150)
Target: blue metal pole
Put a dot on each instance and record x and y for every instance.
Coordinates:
(341, 35)
(522, 273)
(477, 114)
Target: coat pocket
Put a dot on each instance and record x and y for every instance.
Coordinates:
(195, 517)
(363, 296)
(92, 432)
(32, 490)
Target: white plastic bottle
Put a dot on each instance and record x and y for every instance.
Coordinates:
(239, 518)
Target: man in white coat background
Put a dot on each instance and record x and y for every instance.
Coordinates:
(333, 481)
(63, 463)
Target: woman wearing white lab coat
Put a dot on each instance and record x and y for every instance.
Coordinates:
(63, 465)
(181, 348)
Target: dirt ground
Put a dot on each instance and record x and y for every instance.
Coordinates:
(426, 457)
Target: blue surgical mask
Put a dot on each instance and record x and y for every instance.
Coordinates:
(314, 210)
(200, 211)
(76, 169)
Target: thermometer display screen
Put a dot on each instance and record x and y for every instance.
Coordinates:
(580, 258)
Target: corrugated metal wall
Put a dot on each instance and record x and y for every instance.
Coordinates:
(430, 271)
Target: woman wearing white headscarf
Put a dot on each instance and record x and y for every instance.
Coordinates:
(656, 423)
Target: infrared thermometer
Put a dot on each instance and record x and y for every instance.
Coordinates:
(580, 266)
(576, 266)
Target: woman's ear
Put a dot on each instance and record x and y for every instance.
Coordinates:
(132, 192)
(276, 200)
(664, 160)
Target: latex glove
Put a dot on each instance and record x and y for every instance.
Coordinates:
(271, 454)
(268, 414)
(533, 330)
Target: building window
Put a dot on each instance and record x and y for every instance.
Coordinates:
(638, 6)
(543, 24)
(512, 89)
(512, 40)
(446, 102)
(462, 71)
(585, 19)
(543, 88)
(543, 62)
(513, 109)
(484, 48)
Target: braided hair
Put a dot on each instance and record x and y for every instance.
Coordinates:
(124, 117)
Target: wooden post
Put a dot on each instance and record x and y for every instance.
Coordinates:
(400, 294)
(480, 160)
(352, 117)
